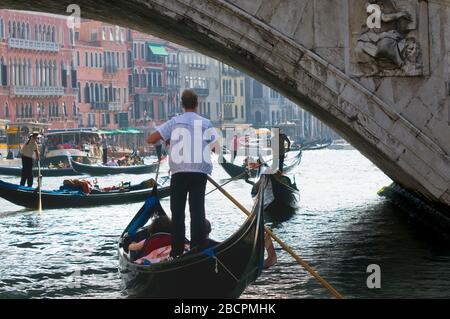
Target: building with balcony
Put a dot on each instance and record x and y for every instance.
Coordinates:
(173, 79)
(148, 78)
(267, 108)
(102, 64)
(37, 73)
(201, 73)
(234, 108)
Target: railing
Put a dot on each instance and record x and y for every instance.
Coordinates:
(99, 105)
(230, 71)
(110, 69)
(203, 92)
(171, 66)
(114, 106)
(173, 87)
(228, 99)
(198, 66)
(33, 45)
(156, 89)
(37, 91)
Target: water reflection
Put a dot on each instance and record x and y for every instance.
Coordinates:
(340, 228)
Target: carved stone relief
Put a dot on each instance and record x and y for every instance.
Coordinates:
(395, 44)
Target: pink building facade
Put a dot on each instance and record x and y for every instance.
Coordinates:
(37, 73)
(102, 66)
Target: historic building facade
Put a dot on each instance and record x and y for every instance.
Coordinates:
(201, 73)
(101, 61)
(37, 73)
(233, 95)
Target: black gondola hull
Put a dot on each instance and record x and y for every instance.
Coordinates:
(238, 262)
(46, 172)
(96, 170)
(281, 198)
(53, 200)
(236, 171)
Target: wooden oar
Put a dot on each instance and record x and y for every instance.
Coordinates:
(39, 186)
(288, 249)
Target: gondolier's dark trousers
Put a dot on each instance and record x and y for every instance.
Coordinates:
(27, 171)
(181, 185)
(159, 151)
(105, 156)
(281, 163)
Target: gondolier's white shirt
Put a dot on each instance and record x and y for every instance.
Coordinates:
(190, 138)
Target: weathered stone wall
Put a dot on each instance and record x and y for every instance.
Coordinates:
(303, 48)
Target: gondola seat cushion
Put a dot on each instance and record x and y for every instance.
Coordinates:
(156, 241)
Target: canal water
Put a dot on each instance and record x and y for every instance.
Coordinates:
(340, 228)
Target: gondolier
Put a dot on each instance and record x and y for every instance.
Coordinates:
(29, 149)
(104, 149)
(282, 138)
(190, 135)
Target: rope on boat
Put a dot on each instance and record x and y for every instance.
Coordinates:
(229, 181)
(210, 253)
(288, 249)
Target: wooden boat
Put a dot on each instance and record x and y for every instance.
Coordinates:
(236, 171)
(28, 197)
(47, 172)
(98, 170)
(281, 196)
(222, 271)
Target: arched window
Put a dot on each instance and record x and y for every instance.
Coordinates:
(74, 109)
(53, 34)
(48, 36)
(96, 60)
(6, 110)
(97, 93)
(87, 95)
(23, 31)
(236, 114)
(79, 92)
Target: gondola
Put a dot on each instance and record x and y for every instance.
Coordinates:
(99, 170)
(281, 196)
(236, 171)
(222, 271)
(28, 197)
(46, 172)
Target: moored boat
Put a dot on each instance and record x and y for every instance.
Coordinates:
(221, 271)
(28, 197)
(98, 170)
(237, 171)
(281, 196)
(46, 172)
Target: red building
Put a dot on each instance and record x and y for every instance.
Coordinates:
(101, 62)
(37, 74)
(147, 78)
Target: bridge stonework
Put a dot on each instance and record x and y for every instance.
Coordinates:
(385, 90)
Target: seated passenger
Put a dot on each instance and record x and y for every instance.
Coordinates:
(112, 162)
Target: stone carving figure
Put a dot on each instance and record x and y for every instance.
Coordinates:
(388, 48)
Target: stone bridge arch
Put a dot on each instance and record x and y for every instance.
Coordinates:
(299, 47)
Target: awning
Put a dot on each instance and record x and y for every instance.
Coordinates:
(158, 49)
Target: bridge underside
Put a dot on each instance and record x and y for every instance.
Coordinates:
(244, 34)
